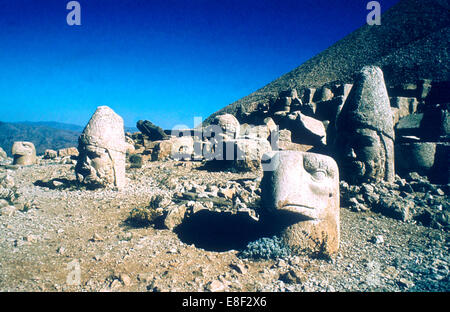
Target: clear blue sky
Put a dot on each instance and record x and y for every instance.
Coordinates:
(162, 60)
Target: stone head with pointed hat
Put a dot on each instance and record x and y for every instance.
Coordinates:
(102, 150)
(364, 142)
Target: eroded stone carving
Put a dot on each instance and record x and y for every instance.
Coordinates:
(301, 190)
(364, 142)
(102, 150)
(24, 153)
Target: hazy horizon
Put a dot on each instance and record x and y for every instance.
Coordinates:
(164, 61)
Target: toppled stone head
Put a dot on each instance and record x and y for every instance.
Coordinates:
(24, 153)
(300, 193)
(364, 143)
(102, 150)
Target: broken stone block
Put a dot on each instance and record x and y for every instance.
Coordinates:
(249, 153)
(429, 126)
(228, 126)
(69, 151)
(50, 154)
(323, 94)
(153, 132)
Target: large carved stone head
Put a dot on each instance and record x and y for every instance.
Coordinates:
(102, 150)
(302, 190)
(24, 153)
(364, 142)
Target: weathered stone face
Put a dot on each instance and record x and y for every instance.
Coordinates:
(303, 189)
(24, 153)
(363, 155)
(102, 150)
(229, 126)
(364, 142)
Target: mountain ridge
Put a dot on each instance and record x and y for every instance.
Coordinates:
(418, 28)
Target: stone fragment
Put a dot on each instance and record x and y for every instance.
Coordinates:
(405, 106)
(323, 94)
(175, 216)
(24, 153)
(429, 126)
(215, 286)
(8, 211)
(300, 194)
(182, 147)
(306, 130)
(102, 150)
(69, 151)
(308, 95)
(415, 157)
(364, 144)
(3, 154)
(228, 125)
(249, 153)
(257, 132)
(50, 154)
(153, 132)
(328, 110)
(395, 207)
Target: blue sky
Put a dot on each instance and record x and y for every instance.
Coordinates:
(161, 60)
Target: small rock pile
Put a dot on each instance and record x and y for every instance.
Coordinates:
(413, 199)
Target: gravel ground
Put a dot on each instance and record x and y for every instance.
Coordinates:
(60, 232)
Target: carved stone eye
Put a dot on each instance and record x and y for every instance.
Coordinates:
(318, 174)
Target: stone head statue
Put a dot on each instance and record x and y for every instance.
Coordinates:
(102, 150)
(364, 142)
(24, 153)
(301, 190)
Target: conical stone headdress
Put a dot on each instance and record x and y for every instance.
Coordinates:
(367, 105)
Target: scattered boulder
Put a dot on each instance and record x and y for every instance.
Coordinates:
(249, 153)
(182, 147)
(175, 216)
(306, 130)
(323, 94)
(50, 154)
(153, 132)
(229, 126)
(102, 150)
(24, 153)
(70, 151)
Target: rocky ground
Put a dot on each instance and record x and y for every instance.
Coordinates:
(55, 227)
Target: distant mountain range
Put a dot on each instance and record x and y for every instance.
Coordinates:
(44, 134)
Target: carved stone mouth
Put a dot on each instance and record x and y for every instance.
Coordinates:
(296, 206)
(302, 210)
